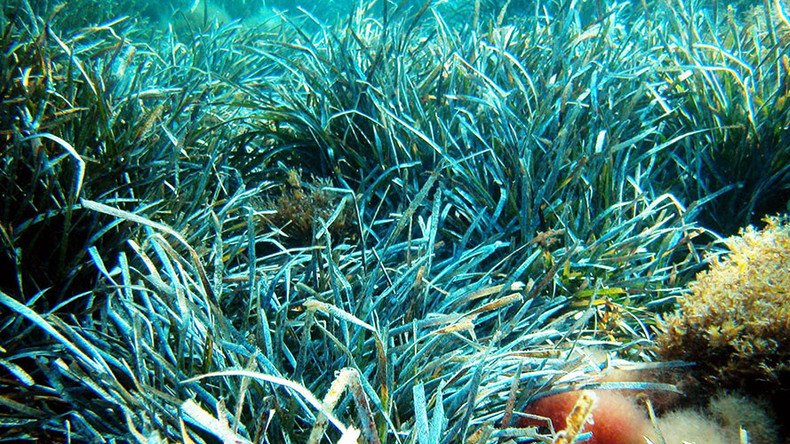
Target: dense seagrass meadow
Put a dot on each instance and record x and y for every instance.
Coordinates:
(385, 222)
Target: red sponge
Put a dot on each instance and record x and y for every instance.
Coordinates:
(614, 419)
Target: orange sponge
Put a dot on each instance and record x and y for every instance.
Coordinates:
(614, 418)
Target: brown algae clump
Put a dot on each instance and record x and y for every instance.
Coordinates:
(735, 324)
(300, 208)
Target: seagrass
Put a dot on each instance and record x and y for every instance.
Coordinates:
(543, 181)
